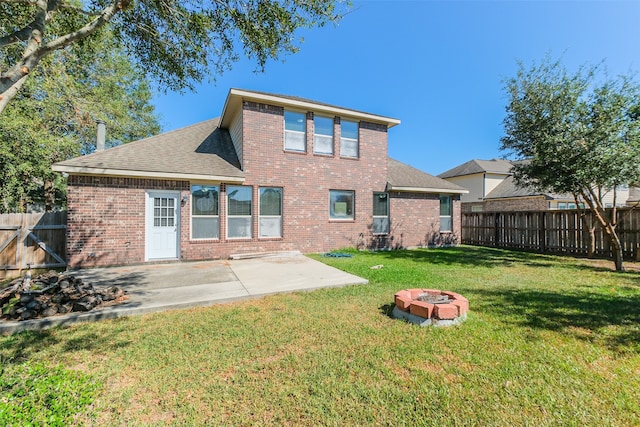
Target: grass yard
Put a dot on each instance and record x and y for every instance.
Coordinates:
(548, 341)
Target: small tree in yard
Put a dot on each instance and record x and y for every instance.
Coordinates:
(578, 133)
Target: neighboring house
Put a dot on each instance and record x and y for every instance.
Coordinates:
(492, 189)
(480, 177)
(272, 173)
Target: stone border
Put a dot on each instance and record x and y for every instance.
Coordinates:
(409, 308)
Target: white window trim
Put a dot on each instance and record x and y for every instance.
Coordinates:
(356, 140)
(295, 132)
(229, 216)
(322, 135)
(450, 216)
(260, 236)
(192, 216)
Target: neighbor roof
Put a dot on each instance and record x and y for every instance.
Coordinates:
(201, 151)
(236, 96)
(508, 189)
(499, 166)
(402, 177)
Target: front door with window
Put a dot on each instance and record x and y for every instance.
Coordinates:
(163, 220)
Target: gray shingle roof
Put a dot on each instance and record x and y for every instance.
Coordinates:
(401, 175)
(479, 166)
(200, 150)
(508, 188)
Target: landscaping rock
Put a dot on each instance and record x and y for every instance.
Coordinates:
(53, 293)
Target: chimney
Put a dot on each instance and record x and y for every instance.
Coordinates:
(100, 137)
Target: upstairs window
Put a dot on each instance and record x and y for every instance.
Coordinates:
(349, 146)
(239, 200)
(380, 213)
(322, 135)
(445, 214)
(295, 131)
(204, 212)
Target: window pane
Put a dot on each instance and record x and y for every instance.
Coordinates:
(239, 227)
(270, 201)
(348, 148)
(341, 204)
(204, 200)
(380, 204)
(294, 141)
(322, 144)
(239, 200)
(270, 226)
(445, 205)
(323, 126)
(294, 121)
(349, 130)
(445, 223)
(205, 228)
(380, 225)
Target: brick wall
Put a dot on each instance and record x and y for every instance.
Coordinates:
(106, 218)
(415, 220)
(516, 204)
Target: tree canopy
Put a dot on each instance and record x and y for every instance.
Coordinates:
(175, 42)
(54, 118)
(575, 133)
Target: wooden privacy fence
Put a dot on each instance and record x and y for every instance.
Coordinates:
(559, 232)
(37, 240)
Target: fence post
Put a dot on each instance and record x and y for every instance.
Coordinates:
(495, 228)
(543, 232)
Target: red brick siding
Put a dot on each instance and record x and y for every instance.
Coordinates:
(106, 218)
(415, 220)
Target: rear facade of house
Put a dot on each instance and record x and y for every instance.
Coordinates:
(273, 173)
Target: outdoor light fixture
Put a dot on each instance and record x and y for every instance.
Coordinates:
(184, 200)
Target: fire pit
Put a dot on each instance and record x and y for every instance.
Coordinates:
(430, 307)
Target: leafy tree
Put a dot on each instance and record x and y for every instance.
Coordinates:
(177, 42)
(53, 118)
(578, 132)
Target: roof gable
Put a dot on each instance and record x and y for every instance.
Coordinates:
(497, 166)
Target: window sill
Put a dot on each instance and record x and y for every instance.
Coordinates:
(207, 240)
(295, 151)
(272, 239)
(324, 154)
(349, 158)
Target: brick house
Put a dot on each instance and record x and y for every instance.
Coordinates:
(272, 173)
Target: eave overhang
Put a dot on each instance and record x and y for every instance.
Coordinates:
(233, 104)
(79, 170)
(425, 190)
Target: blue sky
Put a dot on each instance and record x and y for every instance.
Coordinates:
(438, 66)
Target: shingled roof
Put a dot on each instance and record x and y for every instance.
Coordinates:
(200, 151)
(402, 177)
(508, 189)
(498, 166)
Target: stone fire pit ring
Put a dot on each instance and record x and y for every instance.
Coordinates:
(430, 307)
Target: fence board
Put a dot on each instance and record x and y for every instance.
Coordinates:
(559, 232)
(37, 240)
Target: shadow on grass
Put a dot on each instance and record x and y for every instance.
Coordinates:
(22, 346)
(387, 310)
(612, 320)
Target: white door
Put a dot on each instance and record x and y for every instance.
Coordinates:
(163, 220)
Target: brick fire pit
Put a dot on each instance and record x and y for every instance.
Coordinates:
(426, 307)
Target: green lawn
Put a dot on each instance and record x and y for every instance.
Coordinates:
(548, 341)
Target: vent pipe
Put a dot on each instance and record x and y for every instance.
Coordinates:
(100, 137)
